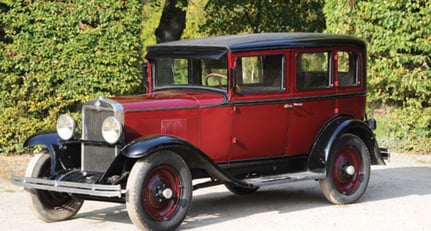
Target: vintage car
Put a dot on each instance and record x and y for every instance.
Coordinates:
(241, 110)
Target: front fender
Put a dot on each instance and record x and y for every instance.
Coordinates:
(335, 128)
(194, 157)
(49, 139)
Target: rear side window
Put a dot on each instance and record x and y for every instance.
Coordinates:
(312, 70)
(347, 69)
(260, 73)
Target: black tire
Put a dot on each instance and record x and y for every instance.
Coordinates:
(348, 170)
(47, 205)
(240, 190)
(159, 192)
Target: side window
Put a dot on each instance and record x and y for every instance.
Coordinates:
(312, 70)
(214, 73)
(260, 74)
(347, 69)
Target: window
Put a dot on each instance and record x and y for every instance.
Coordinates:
(260, 73)
(312, 70)
(214, 73)
(182, 72)
(347, 69)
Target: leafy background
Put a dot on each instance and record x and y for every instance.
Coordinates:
(56, 54)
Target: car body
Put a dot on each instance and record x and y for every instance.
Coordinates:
(241, 110)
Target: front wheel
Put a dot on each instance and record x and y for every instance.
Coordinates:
(159, 192)
(47, 205)
(348, 170)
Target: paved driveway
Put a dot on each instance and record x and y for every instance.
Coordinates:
(398, 198)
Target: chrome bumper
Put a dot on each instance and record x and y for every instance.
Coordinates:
(68, 187)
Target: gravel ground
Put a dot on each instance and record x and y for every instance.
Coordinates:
(398, 198)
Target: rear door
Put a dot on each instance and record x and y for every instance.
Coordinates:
(313, 100)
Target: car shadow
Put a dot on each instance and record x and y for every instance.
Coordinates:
(112, 212)
(216, 204)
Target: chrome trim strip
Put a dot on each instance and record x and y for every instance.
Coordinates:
(68, 187)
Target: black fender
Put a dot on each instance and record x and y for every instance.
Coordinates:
(193, 156)
(49, 139)
(335, 128)
(56, 148)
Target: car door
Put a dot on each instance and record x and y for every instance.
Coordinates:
(313, 101)
(259, 119)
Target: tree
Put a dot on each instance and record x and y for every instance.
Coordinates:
(255, 16)
(172, 22)
(399, 46)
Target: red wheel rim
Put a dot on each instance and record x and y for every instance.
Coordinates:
(161, 178)
(347, 183)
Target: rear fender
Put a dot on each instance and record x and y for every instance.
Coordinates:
(328, 135)
(194, 157)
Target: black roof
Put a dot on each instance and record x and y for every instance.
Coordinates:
(215, 47)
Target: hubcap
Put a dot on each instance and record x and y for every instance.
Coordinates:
(350, 170)
(167, 193)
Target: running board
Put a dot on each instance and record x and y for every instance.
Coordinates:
(68, 187)
(283, 178)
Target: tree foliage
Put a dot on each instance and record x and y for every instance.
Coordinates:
(399, 42)
(62, 53)
(56, 54)
(255, 16)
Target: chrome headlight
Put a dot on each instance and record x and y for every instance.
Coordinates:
(66, 127)
(111, 130)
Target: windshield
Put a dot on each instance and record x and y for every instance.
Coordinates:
(182, 72)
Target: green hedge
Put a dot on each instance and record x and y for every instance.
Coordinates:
(57, 54)
(399, 45)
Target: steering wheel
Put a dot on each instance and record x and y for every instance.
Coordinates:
(215, 75)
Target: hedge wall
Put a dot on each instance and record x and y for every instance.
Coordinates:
(399, 45)
(56, 54)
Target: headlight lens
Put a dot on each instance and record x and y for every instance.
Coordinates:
(66, 127)
(111, 130)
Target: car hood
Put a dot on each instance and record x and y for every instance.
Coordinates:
(170, 99)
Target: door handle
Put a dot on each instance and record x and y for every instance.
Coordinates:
(288, 105)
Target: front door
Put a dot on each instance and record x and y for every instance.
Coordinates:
(259, 126)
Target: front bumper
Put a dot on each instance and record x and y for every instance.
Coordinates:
(99, 190)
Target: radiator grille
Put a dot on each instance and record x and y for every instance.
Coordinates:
(97, 156)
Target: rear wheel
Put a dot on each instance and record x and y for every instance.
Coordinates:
(47, 205)
(159, 192)
(348, 170)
